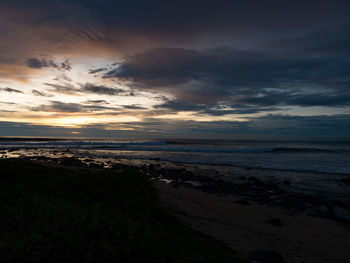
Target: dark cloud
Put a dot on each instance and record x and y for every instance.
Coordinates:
(97, 102)
(213, 109)
(48, 63)
(11, 90)
(67, 88)
(238, 76)
(98, 70)
(155, 19)
(237, 109)
(58, 106)
(330, 99)
(177, 105)
(35, 63)
(227, 57)
(41, 93)
(324, 42)
(71, 89)
(7, 103)
(133, 107)
(65, 65)
(83, 26)
(100, 89)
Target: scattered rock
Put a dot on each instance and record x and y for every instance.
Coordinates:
(265, 256)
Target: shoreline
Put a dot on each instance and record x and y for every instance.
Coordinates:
(252, 215)
(240, 217)
(56, 214)
(262, 186)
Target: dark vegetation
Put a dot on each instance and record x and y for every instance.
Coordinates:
(63, 215)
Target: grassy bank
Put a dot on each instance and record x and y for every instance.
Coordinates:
(56, 215)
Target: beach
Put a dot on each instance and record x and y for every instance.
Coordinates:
(247, 217)
(61, 214)
(174, 131)
(260, 214)
(267, 231)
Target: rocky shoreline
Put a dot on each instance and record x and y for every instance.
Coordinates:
(246, 189)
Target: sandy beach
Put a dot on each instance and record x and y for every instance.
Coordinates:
(245, 228)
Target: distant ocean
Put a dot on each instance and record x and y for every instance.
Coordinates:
(320, 157)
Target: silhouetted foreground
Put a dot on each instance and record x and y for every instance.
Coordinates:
(61, 215)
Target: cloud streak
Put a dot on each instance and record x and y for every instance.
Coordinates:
(10, 90)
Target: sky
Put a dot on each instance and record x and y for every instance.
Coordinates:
(175, 69)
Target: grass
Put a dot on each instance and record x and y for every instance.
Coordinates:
(60, 215)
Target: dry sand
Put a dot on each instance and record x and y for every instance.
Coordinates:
(244, 228)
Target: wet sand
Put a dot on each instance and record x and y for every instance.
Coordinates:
(245, 228)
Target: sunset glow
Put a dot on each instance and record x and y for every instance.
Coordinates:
(80, 66)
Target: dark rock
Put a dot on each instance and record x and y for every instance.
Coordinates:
(175, 184)
(345, 181)
(265, 256)
(243, 177)
(274, 221)
(242, 202)
(251, 178)
(151, 167)
(95, 165)
(320, 211)
(119, 166)
(286, 182)
(342, 214)
(72, 162)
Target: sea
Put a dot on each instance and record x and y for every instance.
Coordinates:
(324, 157)
(316, 163)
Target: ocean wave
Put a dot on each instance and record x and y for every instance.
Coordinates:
(164, 146)
(186, 148)
(307, 150)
